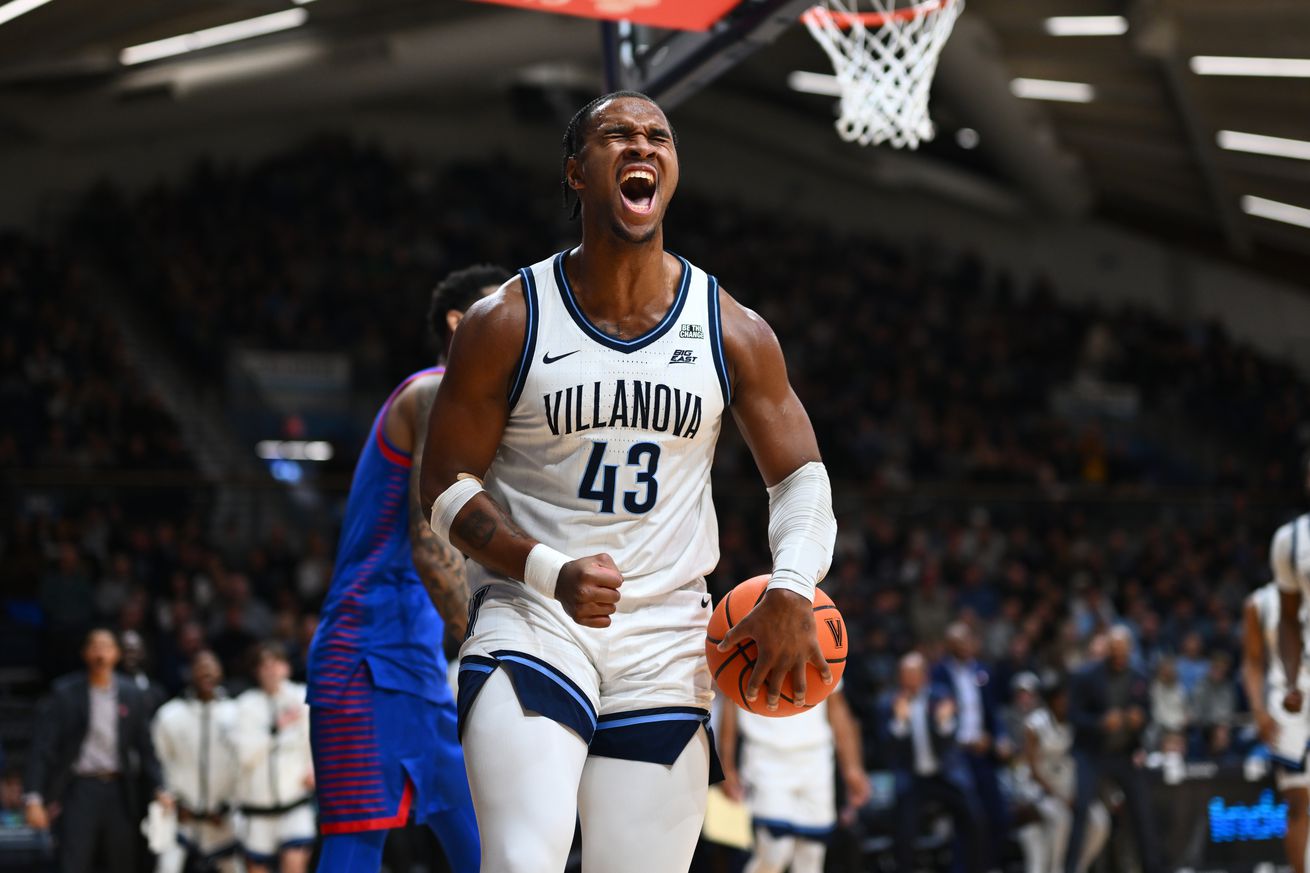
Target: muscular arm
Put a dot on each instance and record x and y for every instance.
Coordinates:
(466, 421)
(850, 750)
(781, 439)
(726, 736)
(1289, 637)
(440, 565)
(464, 431)
(1253, 659)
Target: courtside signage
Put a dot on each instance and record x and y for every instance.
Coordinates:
(673, 14)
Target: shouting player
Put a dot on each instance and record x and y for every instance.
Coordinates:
(569, 456)
(383, 717)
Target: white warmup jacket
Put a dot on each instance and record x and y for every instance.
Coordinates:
(194, 742)
(273, 763)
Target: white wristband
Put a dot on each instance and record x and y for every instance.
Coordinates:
(541, 571)
(448, 505)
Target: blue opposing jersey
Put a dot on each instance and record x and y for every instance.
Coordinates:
(377, 611)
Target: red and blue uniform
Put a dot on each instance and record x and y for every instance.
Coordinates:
(382, 716)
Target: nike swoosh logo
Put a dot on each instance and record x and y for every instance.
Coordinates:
(547, 359)
(705, 601)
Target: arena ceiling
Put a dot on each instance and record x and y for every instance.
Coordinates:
(1144, 149)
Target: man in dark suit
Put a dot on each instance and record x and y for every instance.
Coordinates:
(92, 754)
(1108, 703)
(981, 734)
(917, 724)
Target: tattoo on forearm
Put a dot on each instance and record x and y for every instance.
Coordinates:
(477, 529)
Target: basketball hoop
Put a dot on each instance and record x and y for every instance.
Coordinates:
(885, 59)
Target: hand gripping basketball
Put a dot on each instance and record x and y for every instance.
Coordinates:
(782, 626)
(588, 588)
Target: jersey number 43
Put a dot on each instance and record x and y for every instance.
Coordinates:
(600, 480)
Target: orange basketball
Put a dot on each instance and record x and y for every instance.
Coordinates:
(732, 669)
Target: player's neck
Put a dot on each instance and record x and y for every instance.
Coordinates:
(613, 278)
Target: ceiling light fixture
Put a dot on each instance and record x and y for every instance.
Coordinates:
(1049, 89)
(1275, 211)
(1086, 25)
(15, 8)
(1256, 144)
(213, 36)
(823, 84)
(1217, 65)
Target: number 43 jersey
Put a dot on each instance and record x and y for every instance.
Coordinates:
(609, 442)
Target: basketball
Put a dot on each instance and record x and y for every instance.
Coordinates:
(732, 669)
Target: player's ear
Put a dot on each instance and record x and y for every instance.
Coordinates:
(573, 174)
(453, 318)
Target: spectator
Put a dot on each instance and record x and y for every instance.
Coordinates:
(1192, 663)
(1169, 711)
(1214, 702)
(92, 752)
(275, 786)
(193, 736)
(980, 734)
(1108, 704)
(133, 666)
(917, 725)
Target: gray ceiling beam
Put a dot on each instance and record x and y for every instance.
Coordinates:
(1155, 35)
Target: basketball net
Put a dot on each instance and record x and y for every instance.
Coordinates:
(885, 59)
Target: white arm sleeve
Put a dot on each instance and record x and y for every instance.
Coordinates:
(1280, 559)
(802, 529)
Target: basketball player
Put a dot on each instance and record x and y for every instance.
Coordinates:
(275, 783)
(382, 713)
(193, 738)
(787, 779)
(1289, 558)
(1278, 709)
(569, 457)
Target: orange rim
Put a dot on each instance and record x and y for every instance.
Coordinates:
(846, 20)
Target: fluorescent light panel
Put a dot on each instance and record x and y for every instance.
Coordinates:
(1049, 89)
(1087, 25)
(15, 8)
(1275, 211)
(823, 84)
(294, 450)
(1256, 144)
(1217, 65)
(210, 37)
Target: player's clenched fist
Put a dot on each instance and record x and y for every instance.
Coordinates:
(589, 589)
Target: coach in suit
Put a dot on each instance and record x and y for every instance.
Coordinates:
(1108, 703)
(917, 724)
(92, 754)
(981, 734)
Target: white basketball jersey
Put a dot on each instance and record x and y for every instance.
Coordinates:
(1268, 609)
(795, 733)
(1289, 556)
(609, 442)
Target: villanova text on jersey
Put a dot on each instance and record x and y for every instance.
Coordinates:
(635, 404)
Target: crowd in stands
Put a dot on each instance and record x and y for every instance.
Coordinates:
(916, 375)
(72, 399)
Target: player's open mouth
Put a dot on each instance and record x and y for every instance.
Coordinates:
(637, 188)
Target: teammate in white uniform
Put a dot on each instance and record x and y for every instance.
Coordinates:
(193, 738)
(1280, 716)
(1289, 559)
(588, 394)
(1050, 782)
(275, 786)
(786, 778)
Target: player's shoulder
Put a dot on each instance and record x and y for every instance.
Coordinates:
(171, 711)
(500, 317)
